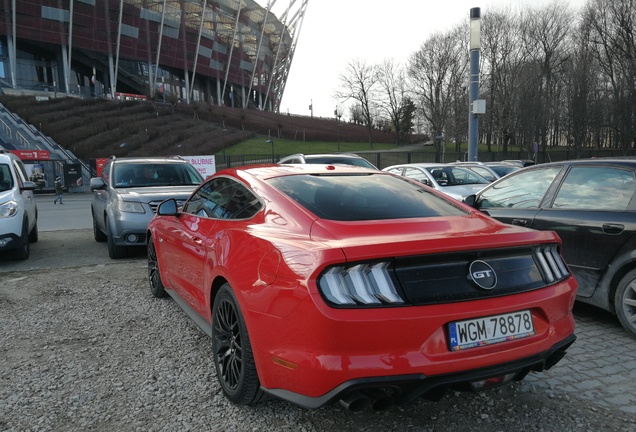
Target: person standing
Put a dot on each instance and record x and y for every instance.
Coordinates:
(59, 190)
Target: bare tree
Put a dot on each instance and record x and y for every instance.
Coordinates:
(437, 71)
(503, 61)
(613, 39)
(393, 99)
(358, 83)
(546, 38)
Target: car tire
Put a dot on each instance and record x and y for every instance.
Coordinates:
(24, 249)
(154, 276)
(114, 251)
(97, 233)
(232, 351)
(34, 235)
(625, 302)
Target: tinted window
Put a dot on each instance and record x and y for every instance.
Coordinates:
(596, 188)
(223, 198)
(363, 197)
(6, 181)
(502, 170)
(155, 174)
(454, 176)
(522, 190)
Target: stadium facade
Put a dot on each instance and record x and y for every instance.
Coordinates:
(226, 52)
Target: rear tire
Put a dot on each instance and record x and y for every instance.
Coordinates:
(233, 358)
(154, 275)
(625, 302)
(114, 251)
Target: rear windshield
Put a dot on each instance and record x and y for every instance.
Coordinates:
(339, 160)
(364, 197)
(155, 174)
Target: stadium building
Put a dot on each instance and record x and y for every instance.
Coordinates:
(226, 52)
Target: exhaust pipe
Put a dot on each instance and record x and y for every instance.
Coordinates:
(356, 402)
(381, 399)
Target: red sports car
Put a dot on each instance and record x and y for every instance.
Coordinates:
(324, 283)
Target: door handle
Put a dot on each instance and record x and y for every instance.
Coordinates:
(610, 228)
(520, 222)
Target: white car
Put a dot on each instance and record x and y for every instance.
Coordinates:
(18, 212)
(453, 180)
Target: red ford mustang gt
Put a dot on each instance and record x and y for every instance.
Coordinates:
(321, 283)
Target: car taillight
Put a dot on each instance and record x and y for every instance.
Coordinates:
(361, 284)
(551, 264)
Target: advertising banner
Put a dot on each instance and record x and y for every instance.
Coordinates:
(73, 175)
(206, 165)
(38, 155)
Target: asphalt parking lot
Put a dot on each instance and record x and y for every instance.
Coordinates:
(598, 372)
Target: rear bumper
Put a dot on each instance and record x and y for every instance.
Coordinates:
(407, 388)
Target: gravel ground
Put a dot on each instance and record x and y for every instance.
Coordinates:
(88, 348)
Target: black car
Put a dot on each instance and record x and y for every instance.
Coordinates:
(591, 204)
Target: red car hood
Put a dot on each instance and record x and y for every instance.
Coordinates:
(372, 239)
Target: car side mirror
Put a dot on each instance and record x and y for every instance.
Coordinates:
(168, 207)
(97, 183)
(471, 200)
(28, 185)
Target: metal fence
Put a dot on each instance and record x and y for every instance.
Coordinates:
(383, 159)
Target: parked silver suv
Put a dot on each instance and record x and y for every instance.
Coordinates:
(18, 212)
(127, 194)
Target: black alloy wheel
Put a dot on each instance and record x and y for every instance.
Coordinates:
(233, 358)
(154, 277)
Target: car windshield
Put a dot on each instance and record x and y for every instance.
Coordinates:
(339, 160)
(155, 174)
(6, 182)
(455, 176)
(356, 197)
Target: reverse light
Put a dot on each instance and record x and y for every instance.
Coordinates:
(492, 382)
(362, 284)
(130, 207)
(8, 209)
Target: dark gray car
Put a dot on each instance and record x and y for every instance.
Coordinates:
(127, 194)
(591, 204)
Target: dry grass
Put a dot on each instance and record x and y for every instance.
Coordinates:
(97, 128)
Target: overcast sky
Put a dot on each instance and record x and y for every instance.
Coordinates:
(336, 31)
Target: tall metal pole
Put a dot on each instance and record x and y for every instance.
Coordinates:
(475, 47)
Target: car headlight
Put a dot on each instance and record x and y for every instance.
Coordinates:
(8, 209)
(130, 207)
(360, 285)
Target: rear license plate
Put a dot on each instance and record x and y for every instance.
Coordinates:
(490, 330)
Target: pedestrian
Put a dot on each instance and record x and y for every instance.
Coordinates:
(59, 190)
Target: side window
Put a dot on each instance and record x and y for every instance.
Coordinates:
(523, 190)
(223, 198)
(415, 174)
(106, 172)
(596, 188)
(20, 172)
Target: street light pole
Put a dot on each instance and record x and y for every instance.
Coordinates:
(475, 48)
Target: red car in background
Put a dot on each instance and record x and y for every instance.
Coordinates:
(324, 283)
